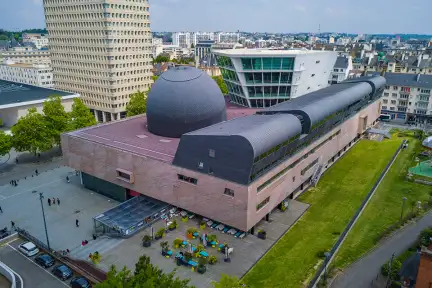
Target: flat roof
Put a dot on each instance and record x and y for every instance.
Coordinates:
(133, 136)
(266, 52)
(13, 94)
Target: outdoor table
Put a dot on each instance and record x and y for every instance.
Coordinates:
(192, 263)
(204, 254)
(213, 243)
(193, 248)
(169, 253)
(195, 234)
(184, 243)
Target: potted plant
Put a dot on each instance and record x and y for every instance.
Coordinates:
(165, 248)
(177, 242)
(262, 234)
(188, 256)
(202, 265)
(146, 240)
(202, 225)
(95, 257)
(190, 232)
(185, 219)
(173, 225)
(212, 260)
(211, 238)
(160, 233)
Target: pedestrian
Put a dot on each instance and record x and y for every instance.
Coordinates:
(37, 172)
(12, 225)
(1, 210)
(16, 160)
(49, 201)
(58, 201)
(77, 223)
(53, 201)
(67, 179)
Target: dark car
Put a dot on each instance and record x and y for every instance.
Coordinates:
(45, 260)
(62, 271)
(80, 282)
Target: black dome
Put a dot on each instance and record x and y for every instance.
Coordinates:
(184, 99)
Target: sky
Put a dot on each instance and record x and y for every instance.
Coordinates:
(289, 16)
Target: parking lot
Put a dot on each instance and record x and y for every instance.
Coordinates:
(21, 205)
(32, 275)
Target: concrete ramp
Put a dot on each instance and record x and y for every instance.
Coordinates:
(384, 133)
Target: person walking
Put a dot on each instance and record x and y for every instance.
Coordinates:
(67, 179)
(49, 201)
(77, 223)
(53, 200)
(58, 201)
(1, 210)
(37, 172)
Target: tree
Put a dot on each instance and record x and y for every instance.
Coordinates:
(161, 58)
(31, 133)
(137, 104)
(227, 281)
(221, 83)
(1, 123)
(145, 275)
(154, 77)
(4, 37)
(57, 119)
(81, 116)
(5, 143)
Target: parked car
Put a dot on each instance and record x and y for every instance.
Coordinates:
(45, 260)
(62, 271)
(80, 282)
(209, 223)
(29, 249)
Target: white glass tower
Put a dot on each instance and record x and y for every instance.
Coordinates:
(100, 49)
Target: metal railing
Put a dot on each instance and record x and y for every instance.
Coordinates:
(335, 247)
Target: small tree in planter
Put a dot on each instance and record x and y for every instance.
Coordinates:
(202, 225)
(202, 265)
(177, 242)
(212, 260)
(262, 234)
(185, 219)
(165, 247)
(160, 233)
(173, 225)
(210, 239)
(188, 256)
(146, 240)
(190, 232)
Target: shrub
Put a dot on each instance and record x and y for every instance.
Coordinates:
(96, 257)
(202, 261)
(177, 242)
(164, 245)
(192, 230)
(200, 248)
(212, 260)
(1, 123)
(211, 237)
(173, 225)
(146, 238)
(396, 266)
(160, 232)
(321, 254)
(188, 256)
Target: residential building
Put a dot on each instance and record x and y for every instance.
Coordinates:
(39, 40)
(17, 98)
(182, 39)
(424, 274)
(202, 36)
(407, 97)
(102, 50)
(224, 37)
(230, 164)
(34, 74)
(175, 51)
(341, 69)
(26, 55)
(203, 48)
(262, 78)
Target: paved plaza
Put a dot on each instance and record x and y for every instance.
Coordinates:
(247, 251)
(21, 204)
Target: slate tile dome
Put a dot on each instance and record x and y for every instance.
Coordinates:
(184, 99)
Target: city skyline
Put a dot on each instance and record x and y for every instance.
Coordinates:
(287, 16)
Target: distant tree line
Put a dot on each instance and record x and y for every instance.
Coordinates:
(38, 132)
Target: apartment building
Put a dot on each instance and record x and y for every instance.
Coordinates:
(227, 37)
(101, 50)
(341, 69)
(182, 39)
(33, 74)
(26, 55)
(202, 36)
(261, 78)
(37, 39)
(407, 97)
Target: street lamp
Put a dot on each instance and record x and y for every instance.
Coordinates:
(327, 257)
(41, 197)
(403, 205)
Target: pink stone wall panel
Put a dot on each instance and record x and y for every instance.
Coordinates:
(159, 179)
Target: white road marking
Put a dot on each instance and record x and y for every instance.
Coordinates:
(19, 276)
(46, 271)
(34, 188)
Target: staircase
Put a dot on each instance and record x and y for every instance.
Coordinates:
(317, 174)
(101, 244)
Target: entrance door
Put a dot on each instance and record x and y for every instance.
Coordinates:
(131, 193)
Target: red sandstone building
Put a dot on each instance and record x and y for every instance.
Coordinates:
(227, 163)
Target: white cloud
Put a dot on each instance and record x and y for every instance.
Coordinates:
(300, 8)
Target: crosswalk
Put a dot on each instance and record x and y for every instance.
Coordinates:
(101, 244)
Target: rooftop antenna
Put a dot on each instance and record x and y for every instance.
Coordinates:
(319, 29)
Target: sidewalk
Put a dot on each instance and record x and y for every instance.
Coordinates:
(363, 273)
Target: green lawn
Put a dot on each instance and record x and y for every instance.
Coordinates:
(293, 260)
(385, 207)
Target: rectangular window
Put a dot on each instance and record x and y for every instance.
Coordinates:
(263, 203)
(229, 192)
(125, 175)
(187, 179)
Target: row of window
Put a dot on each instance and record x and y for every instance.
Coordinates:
(269, 77)
(408, 89)
(268, 63)
(309, 166)
(229, 75)
(224, 61)
(276, 148)
(263, 203)
(187, 179)
(295, 163)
